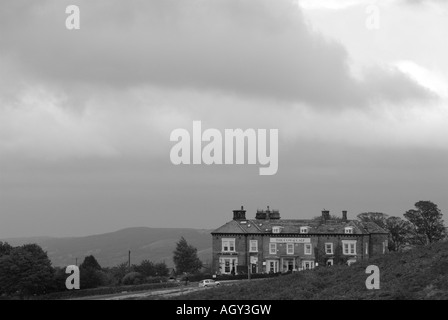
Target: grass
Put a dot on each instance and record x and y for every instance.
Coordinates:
(421, 273)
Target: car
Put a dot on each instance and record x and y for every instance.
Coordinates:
(209, 283)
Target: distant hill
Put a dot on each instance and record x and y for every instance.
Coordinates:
(420, 273)
(155, 244)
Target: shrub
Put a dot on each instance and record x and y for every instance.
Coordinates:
(156, 279)
(133, 278)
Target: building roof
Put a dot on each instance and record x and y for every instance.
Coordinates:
(290, 226)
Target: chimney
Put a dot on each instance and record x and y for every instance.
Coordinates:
(325, 215)
(344, 215)
(239, 214)
(261, 215)
(275, 214)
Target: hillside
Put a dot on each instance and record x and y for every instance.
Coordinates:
(420, 273)
(155, 244)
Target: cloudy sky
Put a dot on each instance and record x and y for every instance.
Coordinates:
(86, 115)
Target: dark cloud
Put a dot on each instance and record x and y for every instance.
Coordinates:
(255, 48)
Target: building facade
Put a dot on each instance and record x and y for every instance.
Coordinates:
(270, 244)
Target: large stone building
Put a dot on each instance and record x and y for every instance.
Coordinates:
(270, 244)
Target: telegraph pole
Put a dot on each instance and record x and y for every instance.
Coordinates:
(129, 259)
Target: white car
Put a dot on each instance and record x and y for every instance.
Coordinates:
(209, 283)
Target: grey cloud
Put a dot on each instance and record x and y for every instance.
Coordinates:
(254, 48)
(423, 1)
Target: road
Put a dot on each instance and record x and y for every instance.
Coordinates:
(165, 293)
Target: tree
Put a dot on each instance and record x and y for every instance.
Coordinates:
(146, 268)
(90, 273)
(427, 223)
(339, 258)
(119, 271)
(377, 217)
(90, 263)
(186, 258)
(5, 248)
(132, 278)
(161, 269)
(25, 271)
(400, 232)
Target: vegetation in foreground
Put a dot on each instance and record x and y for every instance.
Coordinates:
(420, 273)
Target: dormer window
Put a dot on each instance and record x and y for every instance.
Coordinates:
(304, 229)
(348, 230)
(276, 229)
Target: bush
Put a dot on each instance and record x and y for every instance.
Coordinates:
(91, 278)
(132, 278)
(156, 279)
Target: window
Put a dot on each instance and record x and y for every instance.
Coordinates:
(290, 248)
(228, 245)
(272, 266)
(307, 265)
(272, 248)
(349, 247)
(275, 229)
(384, 246)
(307, 248)
(253, 246)
(329, 248)
(303, 229)
(329, 262)
(349, 230)
(228, 265)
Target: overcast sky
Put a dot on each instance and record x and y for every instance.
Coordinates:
(86, 115)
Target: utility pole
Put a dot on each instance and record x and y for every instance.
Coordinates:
(129, 259)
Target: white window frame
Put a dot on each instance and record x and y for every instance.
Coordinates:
(290, 248)
(309, 262)
(226, 265)
(331, 247)
(330, 261)
(351, 244)
(275, 266)
(308, 249)
(229, 242)
(303, 229)
(348, 230)
(272, 248)
(253, 246)
(276, 229)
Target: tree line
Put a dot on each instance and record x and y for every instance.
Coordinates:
(421, 225)
(26, 271)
